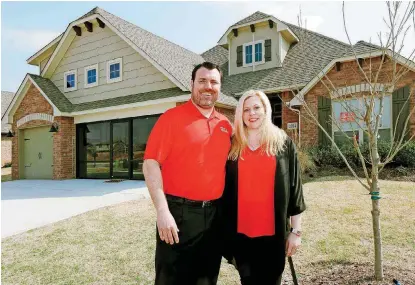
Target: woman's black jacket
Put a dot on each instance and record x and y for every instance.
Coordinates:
(288, 196)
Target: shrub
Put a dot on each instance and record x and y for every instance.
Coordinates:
(306, 162)
(406, 157)
(7, 164)
(329, 156)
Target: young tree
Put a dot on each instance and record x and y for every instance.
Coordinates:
(382, 70)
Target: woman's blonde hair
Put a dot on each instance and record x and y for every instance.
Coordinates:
(272, 138)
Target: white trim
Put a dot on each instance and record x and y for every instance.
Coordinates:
(37, 54)
(66, 33)
(223, 39)
(88, 68)
(134, 46)
(15, 97)
(70, 72)
(253, 43)
(34, 116)
(109, 63)
(180, 98)
(299, 99)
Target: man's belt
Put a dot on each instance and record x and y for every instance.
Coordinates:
(193, 203)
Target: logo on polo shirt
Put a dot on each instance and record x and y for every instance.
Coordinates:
(223, 129)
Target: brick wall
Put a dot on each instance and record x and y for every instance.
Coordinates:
(63, 150)
(289, 116)
(6, 150)
(350, 75)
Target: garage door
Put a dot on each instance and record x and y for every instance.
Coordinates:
(37, 153)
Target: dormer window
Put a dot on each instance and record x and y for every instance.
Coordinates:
(253, 53)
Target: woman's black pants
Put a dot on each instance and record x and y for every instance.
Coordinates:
(260, 260)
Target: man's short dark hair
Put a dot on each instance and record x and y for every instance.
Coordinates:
(207, 65)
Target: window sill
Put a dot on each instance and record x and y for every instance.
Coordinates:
(109, 81)
(91, 85)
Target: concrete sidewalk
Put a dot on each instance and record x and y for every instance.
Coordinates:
(29, 204)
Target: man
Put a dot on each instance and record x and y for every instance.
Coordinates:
(184, 169)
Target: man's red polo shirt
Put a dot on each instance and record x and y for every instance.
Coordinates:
(192, 151)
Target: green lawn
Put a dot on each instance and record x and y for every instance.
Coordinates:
(115, 245)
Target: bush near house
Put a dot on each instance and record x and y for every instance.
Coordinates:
(328, 156)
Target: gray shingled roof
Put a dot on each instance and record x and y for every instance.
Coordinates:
(362, 47)
(217, 54)
(251, 18)
(6, 99)
(302, 62)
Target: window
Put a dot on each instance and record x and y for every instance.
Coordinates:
(114, 70)
(248, 54)
(70, 81)
(253, 53)
(258, 52)
(91, 76)
(347, 112)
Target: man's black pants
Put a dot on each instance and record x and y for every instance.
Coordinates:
(196, 259)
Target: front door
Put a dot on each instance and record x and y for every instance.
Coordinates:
(37, 153)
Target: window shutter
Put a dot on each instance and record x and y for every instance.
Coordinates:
(268, 50)
(324, 113)
(239, 56)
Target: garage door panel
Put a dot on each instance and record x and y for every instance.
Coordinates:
(38, 153)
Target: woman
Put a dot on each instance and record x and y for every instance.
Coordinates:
(263, 196)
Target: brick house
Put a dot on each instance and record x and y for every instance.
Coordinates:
(6, 141)
(103, 83)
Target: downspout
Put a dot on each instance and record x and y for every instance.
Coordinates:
(299, 123)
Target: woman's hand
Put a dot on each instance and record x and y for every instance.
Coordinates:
(292, 244)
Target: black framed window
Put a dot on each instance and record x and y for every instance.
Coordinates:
(113, 149)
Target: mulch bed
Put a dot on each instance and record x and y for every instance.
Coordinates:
(348, 273)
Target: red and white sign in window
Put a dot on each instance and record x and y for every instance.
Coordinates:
(347, 117)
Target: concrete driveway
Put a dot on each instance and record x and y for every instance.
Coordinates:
(29, 204)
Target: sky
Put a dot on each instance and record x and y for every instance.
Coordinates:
(28, 26)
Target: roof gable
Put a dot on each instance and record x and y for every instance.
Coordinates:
(175, 62)
(258, 17)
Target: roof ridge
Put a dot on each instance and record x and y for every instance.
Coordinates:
(257, 12)
(215, 46)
